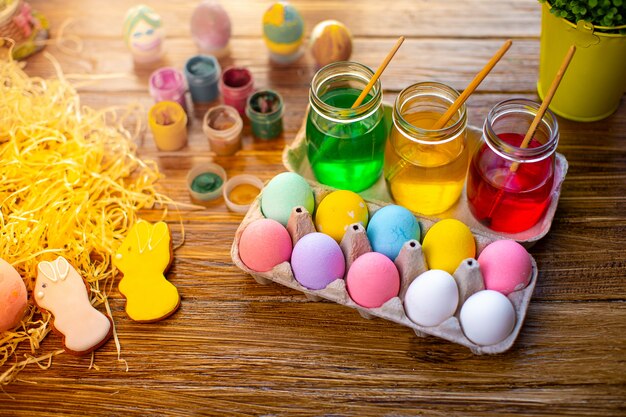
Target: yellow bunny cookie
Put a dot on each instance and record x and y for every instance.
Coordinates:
(60, 290)
(143, 258)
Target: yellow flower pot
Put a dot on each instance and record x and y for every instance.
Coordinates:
(596, 78)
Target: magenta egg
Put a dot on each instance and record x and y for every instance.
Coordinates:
(506, 266)
(372, 280)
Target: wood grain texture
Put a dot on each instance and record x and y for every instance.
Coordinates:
(239, 348)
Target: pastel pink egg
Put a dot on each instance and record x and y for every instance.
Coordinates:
(13, 296)
(264, 244)
(372, 280)
(506, 266)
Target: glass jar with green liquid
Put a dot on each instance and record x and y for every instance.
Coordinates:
(425, 168)
(345, 146)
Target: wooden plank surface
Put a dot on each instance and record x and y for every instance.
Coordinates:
(239, 348)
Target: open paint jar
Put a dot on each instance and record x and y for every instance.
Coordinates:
(509, 188)
(222, 125)
(206, 181)
(168, 122)
(236, 84)
(425, 169)
(265, 111)
(168, 84)
(203, 74)
(345, 146)
(240, 191)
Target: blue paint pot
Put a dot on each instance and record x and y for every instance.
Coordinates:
(203, 73)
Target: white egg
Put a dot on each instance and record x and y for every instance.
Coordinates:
(432, 298)
(487, 317)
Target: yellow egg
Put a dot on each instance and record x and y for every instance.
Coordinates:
(448, 243)
(337, 211)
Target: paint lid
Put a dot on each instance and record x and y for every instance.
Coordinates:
(239, 192)
(206, 181)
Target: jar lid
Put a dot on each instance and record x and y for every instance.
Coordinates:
(241, 202)
(206, 181)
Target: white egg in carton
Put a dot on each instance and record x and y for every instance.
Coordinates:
(410, 263)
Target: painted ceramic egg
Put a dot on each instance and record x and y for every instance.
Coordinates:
(447, 244)
(337, 211)
(210, 27)
(143, 33)
(13, 296)
(283, 29)
(331, 41)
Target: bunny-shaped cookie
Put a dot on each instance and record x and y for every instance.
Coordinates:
(143, 258)
(60, 290)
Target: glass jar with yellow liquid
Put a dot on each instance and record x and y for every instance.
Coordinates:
(425, 168)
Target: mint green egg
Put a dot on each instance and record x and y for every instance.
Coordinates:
(284, 192)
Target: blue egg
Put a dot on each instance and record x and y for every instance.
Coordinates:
(390, 227)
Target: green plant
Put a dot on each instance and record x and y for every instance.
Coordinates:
(605, 13)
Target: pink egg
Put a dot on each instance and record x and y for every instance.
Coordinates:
(264, 244)
(506, 266)
(13, 296)
(372, 280)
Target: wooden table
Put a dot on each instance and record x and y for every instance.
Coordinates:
(239, 348)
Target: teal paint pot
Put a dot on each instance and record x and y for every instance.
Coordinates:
(203, 73)
(265, 111)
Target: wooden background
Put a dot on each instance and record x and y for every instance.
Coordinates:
(238, 348)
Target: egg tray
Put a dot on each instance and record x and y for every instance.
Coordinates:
(410, 263)
(295, 159)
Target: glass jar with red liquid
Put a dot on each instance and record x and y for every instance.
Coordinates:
(509, 188)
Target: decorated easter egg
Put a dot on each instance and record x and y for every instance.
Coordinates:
(505, 266)
(284, 192)
(283, 29)
(337, 211)
(372, 280)
(143, 33)
(331, 41)
(264, 244)
(317, 260)
(487, 317)
(390, 227)
(448, 243)
(210, 26)
(13, 296)
(432, 298)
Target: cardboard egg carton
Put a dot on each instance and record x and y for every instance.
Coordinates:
(410, 263)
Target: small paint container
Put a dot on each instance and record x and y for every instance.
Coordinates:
(168, 122)
(265, 111)
(203, 73)
(206, 181)
(240, 191)
(168, 84)
(236, 84)
(223, 125)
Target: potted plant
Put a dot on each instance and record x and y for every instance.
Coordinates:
(596, 79)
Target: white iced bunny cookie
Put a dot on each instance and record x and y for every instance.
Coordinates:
(60, 290)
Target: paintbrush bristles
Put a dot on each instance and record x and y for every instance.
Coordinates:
(377, 74)
(443, 120)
